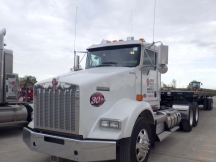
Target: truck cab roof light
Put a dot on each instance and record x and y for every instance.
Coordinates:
(108, 41)
(120, 40)
(114, 40)
(142, 39)
(139, 97)
(130, 38)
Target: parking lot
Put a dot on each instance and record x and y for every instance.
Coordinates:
(196, 146)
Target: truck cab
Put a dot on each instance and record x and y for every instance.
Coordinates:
(11, 111)
(109, 108)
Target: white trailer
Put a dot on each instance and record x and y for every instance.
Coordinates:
(11, 111)
(108, 111)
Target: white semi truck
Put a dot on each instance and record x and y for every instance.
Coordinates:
(110, 110)
(11, 111)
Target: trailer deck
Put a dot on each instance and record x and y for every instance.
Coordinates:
(170, 97)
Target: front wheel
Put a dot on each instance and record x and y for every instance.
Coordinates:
(137, 147)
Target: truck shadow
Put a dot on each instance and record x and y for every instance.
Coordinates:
(11, 131)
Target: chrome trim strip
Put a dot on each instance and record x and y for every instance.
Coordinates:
(49, 93)
(39, 101)
(70, 108)
(44, 91)
(65, 92)
(59, 107)
(54, 98)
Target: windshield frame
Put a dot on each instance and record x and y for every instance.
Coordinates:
(114, 47)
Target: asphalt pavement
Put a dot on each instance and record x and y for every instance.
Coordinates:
(196, 146)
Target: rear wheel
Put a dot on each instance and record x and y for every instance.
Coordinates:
(210, 104)
(137, 147)
(205, 104)
(195, 114)
(187, 124)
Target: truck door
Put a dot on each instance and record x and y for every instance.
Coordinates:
(149, 76)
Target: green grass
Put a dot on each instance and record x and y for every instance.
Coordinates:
(204, 90)
(210, 90)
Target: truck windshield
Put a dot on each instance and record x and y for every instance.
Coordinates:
(195, 84)
(119, 56)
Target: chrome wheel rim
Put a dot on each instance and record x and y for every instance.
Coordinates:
(197, 114)
(142, 145)
(191, 117)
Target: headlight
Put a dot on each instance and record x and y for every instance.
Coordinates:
(110, 123)
(105, 123)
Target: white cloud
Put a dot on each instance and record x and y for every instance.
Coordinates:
(41, 33)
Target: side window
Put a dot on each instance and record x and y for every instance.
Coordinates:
(95, 60)
(149, 59)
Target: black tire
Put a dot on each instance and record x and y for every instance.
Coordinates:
(205, 104)
(210, 104)
(128, 151)
(195, 114)
(187, 124)
(29, 110)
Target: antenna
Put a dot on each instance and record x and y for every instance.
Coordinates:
(131, 22)
(75, 38)
(75, 29)
(154, 20)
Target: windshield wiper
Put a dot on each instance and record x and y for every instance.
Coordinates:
(108, 64)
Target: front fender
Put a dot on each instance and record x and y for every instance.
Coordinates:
(127, 111)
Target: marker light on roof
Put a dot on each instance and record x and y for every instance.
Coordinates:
(120, 40)
(142, 39)
(108, 41)
(114, 40)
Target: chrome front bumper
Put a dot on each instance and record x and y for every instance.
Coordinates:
(77, 150)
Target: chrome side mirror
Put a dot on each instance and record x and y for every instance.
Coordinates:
(162, 68)
(76, 66)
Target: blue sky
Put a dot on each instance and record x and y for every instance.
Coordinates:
(41, 33)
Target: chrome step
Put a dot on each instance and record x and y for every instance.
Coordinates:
(163, 135)
(174, 129)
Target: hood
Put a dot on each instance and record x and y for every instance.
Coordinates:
(120, 82)
(88, 76)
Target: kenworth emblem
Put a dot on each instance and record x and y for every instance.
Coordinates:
(54, 83)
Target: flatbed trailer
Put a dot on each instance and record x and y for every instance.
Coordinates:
(170, 97)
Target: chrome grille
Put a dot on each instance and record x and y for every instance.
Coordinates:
(57, 110)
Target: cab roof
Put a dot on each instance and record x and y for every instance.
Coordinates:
(105, 43)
